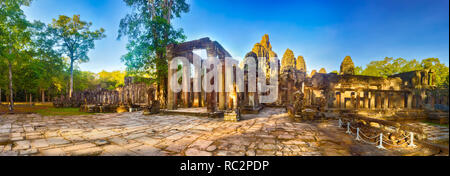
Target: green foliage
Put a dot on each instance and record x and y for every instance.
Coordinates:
(390, 66)
(74, 39)
(334, 71)
(111, 80)
(149, 31)
(39, 54)
(14, 40)
(87, 80)
(14, 34)
(358, 70)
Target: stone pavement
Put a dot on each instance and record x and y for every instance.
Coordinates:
(435, 133)
(270, 133)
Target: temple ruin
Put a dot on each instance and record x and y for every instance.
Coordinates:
(135, 95)
(407, 93)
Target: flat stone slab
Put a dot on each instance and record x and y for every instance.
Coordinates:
(269, 133)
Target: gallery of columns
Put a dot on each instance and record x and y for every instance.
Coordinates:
(343, 91)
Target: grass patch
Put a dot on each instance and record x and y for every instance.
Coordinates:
(45, 109)
(60, 112)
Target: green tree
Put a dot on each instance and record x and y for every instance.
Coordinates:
(149, 31)
(440, 69)
(358, 70)
(47, 61)
(390, 66)
(14, 37)
(75, 39)
(111, 80)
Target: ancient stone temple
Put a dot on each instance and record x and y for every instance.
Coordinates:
(213, 101)
(132, 95)
(346, 91)
(288, 61)
(347, 66)
(262, 55)
(410, 92)
(301, 64)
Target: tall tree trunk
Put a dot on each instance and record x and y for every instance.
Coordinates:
(11, 99)
(161, 84)
(71, 78)
(43, 95)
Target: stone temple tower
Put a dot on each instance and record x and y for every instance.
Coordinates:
(347, 66)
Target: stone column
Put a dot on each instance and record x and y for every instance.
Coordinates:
(171, 96)
(386, 100)
(358, 99)
(210, 96)
(342, 99)
(366, 99)
(186, 80)
(432, 100)
(290, 92)
(221, 79)
(197, 82)
(372, 100)
(422, 98)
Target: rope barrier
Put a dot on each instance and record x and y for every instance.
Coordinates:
(380, 141)
(373, 137)
(372, 143)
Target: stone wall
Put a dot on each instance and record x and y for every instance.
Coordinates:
(132, 94)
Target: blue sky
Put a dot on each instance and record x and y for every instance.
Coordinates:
(324, 32)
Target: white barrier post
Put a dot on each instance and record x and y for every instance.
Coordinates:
(357, 135)
(340, 123)
(380, 146)
(411, 144)
(348, 128)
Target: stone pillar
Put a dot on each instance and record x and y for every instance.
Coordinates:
(408, 97)
(290, 92)
(372, 100)
(422, 98)
(358, 99)
(342, 99)
(378, 100)
(203, 94)
(197, 82)
(366, 99)
(171, 96)
(385, 100)
(186, 80)
(221, 79)
(210, 96)
(432, 100)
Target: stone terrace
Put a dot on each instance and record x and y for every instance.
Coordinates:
(271, 132)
